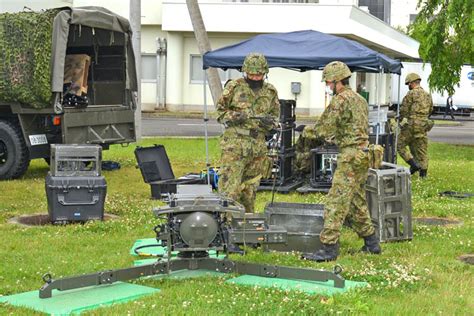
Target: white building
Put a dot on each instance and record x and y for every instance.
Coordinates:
(175, 79)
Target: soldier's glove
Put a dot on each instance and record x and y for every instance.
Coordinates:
(403, 122)
(238, 117)
(300, 128)
(267, 122)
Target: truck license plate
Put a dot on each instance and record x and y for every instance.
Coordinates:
(39, 139)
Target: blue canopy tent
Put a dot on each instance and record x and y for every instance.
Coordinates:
(303, 50)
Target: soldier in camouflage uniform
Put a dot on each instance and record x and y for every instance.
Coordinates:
(248, 108)
(345, 123)
(416, 107)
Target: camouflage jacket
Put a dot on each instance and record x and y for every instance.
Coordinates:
(345, 121)
(417, 106)
(239, 97)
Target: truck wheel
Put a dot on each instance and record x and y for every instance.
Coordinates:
(14, 155)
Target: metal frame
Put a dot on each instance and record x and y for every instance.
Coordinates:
(191, 258)
(211, 264)
(390, 224)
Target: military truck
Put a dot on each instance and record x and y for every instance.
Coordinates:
(47, 99)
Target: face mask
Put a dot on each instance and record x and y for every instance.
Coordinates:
(254, 84)
(329, 91)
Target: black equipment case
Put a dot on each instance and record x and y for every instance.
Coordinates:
(75, 199)
(75, 189)
(156, 170)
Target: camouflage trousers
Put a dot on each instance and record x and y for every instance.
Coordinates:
(243, 163)
(417, 142)
(346, 198)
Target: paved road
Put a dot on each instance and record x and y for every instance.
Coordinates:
(462, 134)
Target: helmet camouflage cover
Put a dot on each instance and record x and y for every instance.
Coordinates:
(336, 71)
(255, 63)
(411, 77)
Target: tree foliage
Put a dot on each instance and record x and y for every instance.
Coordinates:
(25, 57)
(445, 30)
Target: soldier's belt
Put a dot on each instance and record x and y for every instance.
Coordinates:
(246, 132)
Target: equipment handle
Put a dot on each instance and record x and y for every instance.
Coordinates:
(62, 200)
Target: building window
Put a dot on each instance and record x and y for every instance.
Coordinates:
(379, 8)
(148, 67)
(197, 73)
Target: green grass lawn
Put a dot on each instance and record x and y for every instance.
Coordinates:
(419, 277)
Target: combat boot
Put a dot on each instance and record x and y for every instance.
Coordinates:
(423, 173)
(371, 245)
(414, 166)
(328, 252)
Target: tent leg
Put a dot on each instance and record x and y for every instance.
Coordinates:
(377, 89)
(206, 119)
(397, 130)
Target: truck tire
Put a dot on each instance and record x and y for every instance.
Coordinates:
(14, 155)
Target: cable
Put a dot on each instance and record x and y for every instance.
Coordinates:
(142, 254)
(280, 132)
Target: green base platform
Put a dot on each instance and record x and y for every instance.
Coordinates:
(310, 287)
(79, 300)
(76, 301)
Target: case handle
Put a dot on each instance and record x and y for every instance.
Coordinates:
(62, 200)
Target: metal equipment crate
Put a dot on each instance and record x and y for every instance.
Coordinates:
(287, 111)
(303, 222)
(283, 170)
(75, 160)
(388, 192)
(323, 166)
(287, 136)
(75, 199)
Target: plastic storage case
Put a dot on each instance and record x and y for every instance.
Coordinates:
(388, 191)
(75, 160)
(73, 199)
(156, 170)
(303, 222)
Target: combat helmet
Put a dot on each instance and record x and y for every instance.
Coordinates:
(411, 77)
(336, 71)
(255, 63)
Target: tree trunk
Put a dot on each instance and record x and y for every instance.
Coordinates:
(204, 46)
(135, 24)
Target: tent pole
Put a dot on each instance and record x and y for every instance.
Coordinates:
(377, 99)
(205, 128)
(397, 130)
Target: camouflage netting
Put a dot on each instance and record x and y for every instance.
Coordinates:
(25, 53)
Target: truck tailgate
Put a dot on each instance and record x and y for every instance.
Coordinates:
(104, 124)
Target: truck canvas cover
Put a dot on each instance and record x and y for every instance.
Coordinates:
(33, 49)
